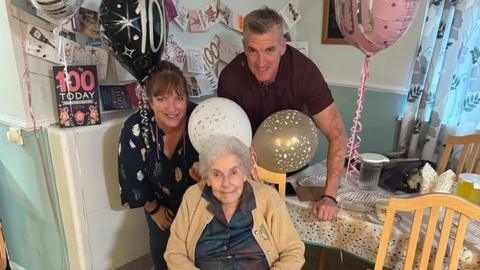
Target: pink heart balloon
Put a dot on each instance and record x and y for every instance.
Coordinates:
(373, 25)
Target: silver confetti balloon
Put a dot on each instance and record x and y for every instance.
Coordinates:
(286, 141)
(59, 10)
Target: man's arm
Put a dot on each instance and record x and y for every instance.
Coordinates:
(331, 125)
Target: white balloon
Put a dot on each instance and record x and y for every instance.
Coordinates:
(218, 116)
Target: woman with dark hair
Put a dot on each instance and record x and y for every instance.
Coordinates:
(156, 161)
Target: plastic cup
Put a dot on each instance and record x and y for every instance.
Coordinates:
(369, 176)
(370, 169)
(469, 187)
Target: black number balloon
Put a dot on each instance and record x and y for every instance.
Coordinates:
(136, 31)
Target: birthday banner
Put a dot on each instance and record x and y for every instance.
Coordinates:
(199, 60)
(207, 16)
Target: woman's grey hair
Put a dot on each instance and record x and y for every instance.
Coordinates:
(219, 146)
(261, 21)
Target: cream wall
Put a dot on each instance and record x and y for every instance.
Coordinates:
(12, 100)
(14, 107)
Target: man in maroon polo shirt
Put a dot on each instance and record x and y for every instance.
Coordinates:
(270, 76)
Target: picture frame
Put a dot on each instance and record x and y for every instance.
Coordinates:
(331, 33)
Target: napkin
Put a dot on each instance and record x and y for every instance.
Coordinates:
(444, 182)
(429, 176)
(432, 182)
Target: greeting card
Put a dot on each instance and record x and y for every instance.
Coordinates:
(43, 44)
(225, 14)
(195, 63)
(182, 15)
(208, 15)
(211, 53)
(290, 14)
(170, 9)
(195, 22)
(174, 52)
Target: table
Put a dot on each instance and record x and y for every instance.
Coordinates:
(359, 233)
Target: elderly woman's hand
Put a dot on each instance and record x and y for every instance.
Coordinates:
(325, 209)
(163, 218)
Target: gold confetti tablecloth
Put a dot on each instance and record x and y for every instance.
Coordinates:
(359, 234)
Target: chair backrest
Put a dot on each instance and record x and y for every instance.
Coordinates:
(274, 178)
(434, 202)
(469, 160)
(3, 253)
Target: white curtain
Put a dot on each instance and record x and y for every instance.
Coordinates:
(444, 95)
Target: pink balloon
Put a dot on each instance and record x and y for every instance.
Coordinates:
(373, 25)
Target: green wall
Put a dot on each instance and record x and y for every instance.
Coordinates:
(380, 111)
(33, 239)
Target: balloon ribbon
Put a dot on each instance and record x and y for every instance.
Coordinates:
(356, 129)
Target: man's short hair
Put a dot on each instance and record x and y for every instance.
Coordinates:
(261, 21)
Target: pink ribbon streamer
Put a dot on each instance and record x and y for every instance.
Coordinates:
(27, 87)
(355, 139)
(27, 84)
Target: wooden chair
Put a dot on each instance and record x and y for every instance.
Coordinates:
(3, 253)
(434, 202)
(279, 179)
(469, 157)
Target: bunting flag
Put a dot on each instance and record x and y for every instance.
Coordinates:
(45, 45)
(182, 15)
(195, 63)
(174, 52)
(211, 53)
(290, 14)
(170, 10)
(194, 22)
(201, 19)
(225, 14)
(208, 15)
(200, 61)
(202, 84)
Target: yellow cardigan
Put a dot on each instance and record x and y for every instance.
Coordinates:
(272, 228)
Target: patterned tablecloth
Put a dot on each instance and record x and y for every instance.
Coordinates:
(359, 232)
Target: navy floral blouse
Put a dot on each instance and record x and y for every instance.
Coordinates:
(147, 174)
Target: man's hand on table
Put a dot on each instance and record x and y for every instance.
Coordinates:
(325, 209)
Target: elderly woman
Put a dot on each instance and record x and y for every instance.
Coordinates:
(229, 221)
